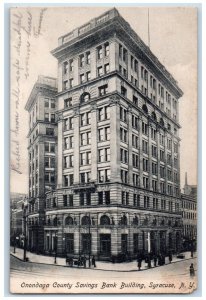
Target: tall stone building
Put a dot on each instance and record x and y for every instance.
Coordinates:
(42, 151)
(189, 215)
(118, 186)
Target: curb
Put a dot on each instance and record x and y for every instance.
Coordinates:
(97, 269)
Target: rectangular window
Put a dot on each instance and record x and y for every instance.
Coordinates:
(65, 200)
(81, 60)
(144, 128)
(66, 67)
(71, 82)
(70, 200)
(52, 118)
(88, 58)
(46, 117)
(100, 71)
(101, 155)
(88, 198)
(120, 51)
(99, 52)
(103, 90)
(100, 198)
(88, 74)
(107, 197)
(71, 65)
(125, 55)
(81, 196)
(106, 68)
(82, 78)
(50, 131)
(106, 49)
(65, 84)
(46, 103)
(123, 91)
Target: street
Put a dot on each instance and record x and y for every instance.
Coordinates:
(27, 274)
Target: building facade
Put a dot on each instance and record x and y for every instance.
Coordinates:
(42, 151)
(118, 173)
(189, 216)
(16, 214)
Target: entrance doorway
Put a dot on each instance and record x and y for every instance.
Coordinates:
(124, 243)
(69, 241)
(86, 243)
(105, 244)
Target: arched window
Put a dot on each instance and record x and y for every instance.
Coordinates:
(162, 122)
(104, 220)
(144, 108)
(124, 220)
(154, 222)
(163, 222)
(135, 220)
(85, 97)
(86, 220)
(69, 221)
(55, 221)
(153, 115)
(145, 222)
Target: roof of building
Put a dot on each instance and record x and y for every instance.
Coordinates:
(101, 21)
(43, 82)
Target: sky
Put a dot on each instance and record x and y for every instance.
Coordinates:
(35, 32)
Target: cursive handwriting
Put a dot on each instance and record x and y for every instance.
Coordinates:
(24, 27)
(37, 31)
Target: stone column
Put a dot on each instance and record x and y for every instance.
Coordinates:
(76, 126)
(115, 139)
(150, 155)
(129, 135)
(60, 152)
(94, 137)
(140, 154)
(158, 160)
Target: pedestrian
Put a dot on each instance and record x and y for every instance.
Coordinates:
(155, 260)
(170, 257)
(192, 252)
(192, 270)
(139, 263)
(159, 260)
(93, 262)
(149, 262)
(84, 261)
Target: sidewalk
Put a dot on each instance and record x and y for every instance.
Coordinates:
(101, 265)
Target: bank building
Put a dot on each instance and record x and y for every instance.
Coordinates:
(104, 147)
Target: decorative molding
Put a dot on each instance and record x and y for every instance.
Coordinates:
(114, 100)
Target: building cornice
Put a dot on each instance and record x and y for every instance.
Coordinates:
(40, 87)
(117, 24)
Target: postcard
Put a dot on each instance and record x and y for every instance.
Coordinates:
(103, 150)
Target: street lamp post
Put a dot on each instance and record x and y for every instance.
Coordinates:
(24, 226)
(55, 254)
(14, 244)
(89, 242)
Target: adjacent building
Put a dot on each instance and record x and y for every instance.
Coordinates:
(117, 149)
(42, 150)
(189, 215)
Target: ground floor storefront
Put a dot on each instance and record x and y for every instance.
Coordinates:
(106, 243)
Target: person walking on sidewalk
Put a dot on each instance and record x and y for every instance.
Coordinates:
(84, 261)
(155, 260)
(93, 262)
(170, 257)
(139, 263)
(192, 270)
